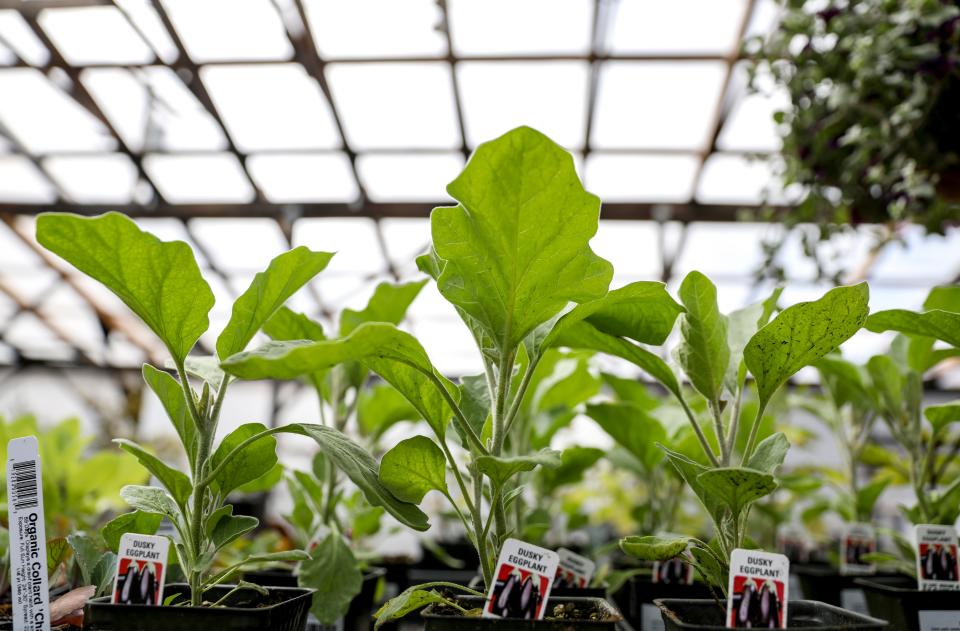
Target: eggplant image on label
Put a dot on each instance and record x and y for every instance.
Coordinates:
(516, 597)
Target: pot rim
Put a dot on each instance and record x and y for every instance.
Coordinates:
(610, 609)
(857, 620)
(294, 592)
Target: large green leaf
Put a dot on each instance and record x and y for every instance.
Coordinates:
(269, 289)
(362, 469)
(654, 548)
(389, 303)
(574, 462)
(160, 281)
(691, 471)
(250, 463)
(412, 468)
(515, 250)
(501, 468)
(888, 380)
(737, 488)
(405, 603)
(633, 429)
(475, 404)
(380, 406)
(632, 391)
(170, 393)
(770, 453)
(393, 354)
(285, 325)
(150, 499)
(941, 325)
(703, 352)
(802, 334)
(231, 527)
(332, 571)
(136, 521)
(944, 298)
(174, 481)
(569, 383)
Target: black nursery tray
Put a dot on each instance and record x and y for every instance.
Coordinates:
(706, 615)
(437, 621)
(897, 600)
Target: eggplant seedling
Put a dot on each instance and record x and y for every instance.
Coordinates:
(162, 284)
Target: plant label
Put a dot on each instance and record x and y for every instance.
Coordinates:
(757, 590)
(792, 543)
(574, 571)
(675, 571)
(857, 540)
(30, 593)
(939, 620)
(141, 570)
(521, 582)
(936, 558)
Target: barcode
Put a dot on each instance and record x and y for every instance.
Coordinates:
(24, 481)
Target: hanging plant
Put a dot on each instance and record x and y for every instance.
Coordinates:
(870, 133)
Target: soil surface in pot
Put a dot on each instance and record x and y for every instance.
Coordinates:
(571, 611)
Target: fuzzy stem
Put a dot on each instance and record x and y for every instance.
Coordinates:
(754, 432)
(699, 432)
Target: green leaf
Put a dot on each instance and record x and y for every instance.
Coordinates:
(230, 527)
(104, 572)
(501, 468)
(802, 334)
(151, 499)
(703, 352)
(393, 354)
(654, 548)
(867, 497)
(633, 429)
(769, 454)
(160, 281)
(170, 393)
(58, 551)
(942, 415)
(265, 482)
(205, 367)
(362, 469)
(475, 405)
(332, 571)
(269, 289)
(584, 335)
(389, 303)
(844, 381)
(255, 460)
(412, 468)
(136, 521)
(941, 325)
(574, 461)
(631, 391)
(887, 379)
(404, 604)
(286, 325)
(944, 298)
(515, 251)
(380, 406)
(737, 488)
(691, 471)
(86, 553)
(214, 518)
(174, 481)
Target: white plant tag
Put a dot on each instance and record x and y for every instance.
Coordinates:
(939, 620)
(574, 571)
(521, 582)
(792, 543)
(674, 571)
(30, 592)
(936, 558)
(857, 540)
(141, 570)
(757, 590)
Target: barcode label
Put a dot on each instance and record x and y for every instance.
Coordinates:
(24, 484)
(30, 594)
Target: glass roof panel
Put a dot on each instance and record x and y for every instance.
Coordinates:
(90, 35)
(934, 258)
(414, 177)
(631, 246)
(395, 105)
(44, 118)
(15, 257)
(7, 56)
(33, 339)
(549, 96)
(520, 27)
(109, 178)
(406, 239)
(325, 177)
(721, 250)
(239, 245)
(656, 104)
(153, 106)
(737, 179)
(375, 28)
(219, 30)
(23, 183)
(15, 31)
(176, 176)
(749, 125)
(677, 26)
(271, 106)
(353, 239)
(150, 26)
(641, 178)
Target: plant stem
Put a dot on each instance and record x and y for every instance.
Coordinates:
(499, 436)
(718, 430)
(734, 422)
(457, 475)
(699, 432)
(754, 431)
(479, 536)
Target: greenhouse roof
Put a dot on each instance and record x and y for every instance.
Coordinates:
(246, 126)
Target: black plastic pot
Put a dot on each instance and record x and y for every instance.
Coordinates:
(636, 600)
(284, 609)
(707, 615)
(824, 583)
(443, 622)
(897, 600)
(359, 616)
